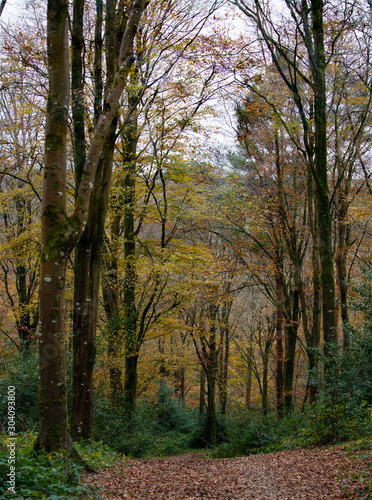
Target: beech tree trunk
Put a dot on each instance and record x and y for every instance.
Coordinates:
(265, 373)
(110, 302)
(313, 340)
(317, 65)
(211, 371)
(87, 270)
(130, 384)
(61, 233)
(55, 244)
(26, 316)
(211, 409)
(342, 247)
(88, 256)
(180, 383)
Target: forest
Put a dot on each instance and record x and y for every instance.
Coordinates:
(185, 244)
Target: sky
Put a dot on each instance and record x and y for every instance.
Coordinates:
(10, 10)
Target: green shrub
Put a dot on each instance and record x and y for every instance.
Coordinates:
(247, 434)
(343, 408)
(163, 427)
(198, 434)
(97, 454)
(333, 422)
(169, 413)
(42, 476)
(22, 372)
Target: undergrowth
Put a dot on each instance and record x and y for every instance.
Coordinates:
(160, 428)
(49, 476)
(361, 450)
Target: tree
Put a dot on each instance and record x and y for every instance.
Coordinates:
(255, 347)
(153, 47)
(60, 233)
(309, 31)
(165, 107)
(88, 253)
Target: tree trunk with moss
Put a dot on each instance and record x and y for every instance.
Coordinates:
(111, 305)
(61, 233)
(88, 257)
(224, 352)
(202, 390)
(211, 371)
(25, 283)
(130, 278)
(279, 342)
(56, 241)
(248, 380)
(342, 248)
(290, 354)
(317, 65)
(211, 409)
(312, 333)
(87, 271)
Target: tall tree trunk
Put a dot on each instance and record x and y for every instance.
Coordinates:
(279, 349)
(130, 384)
(24, 279)
(114, 346)
(313, 342)
(180, 383)
(211, 370)
(53, 424)
(291, 338)
(317, 64)
(88, 259)
(88, 255)
(77, 90)
(211, 409)
(110, 303)
(342, 244)
(130, 278)
(265, 373)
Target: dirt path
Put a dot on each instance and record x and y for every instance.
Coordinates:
(296, 474)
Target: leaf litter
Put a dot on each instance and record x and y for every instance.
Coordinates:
(311, 474)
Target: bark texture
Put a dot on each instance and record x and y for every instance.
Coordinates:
(56, 241)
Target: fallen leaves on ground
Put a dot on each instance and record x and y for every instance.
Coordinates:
(296, 474)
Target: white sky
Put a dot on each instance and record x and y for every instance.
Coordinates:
(10, 11)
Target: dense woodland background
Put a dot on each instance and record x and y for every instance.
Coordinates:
(212, 242)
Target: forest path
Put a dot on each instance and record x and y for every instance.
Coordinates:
(315, 473)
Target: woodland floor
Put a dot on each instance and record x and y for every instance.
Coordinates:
(296, 474)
